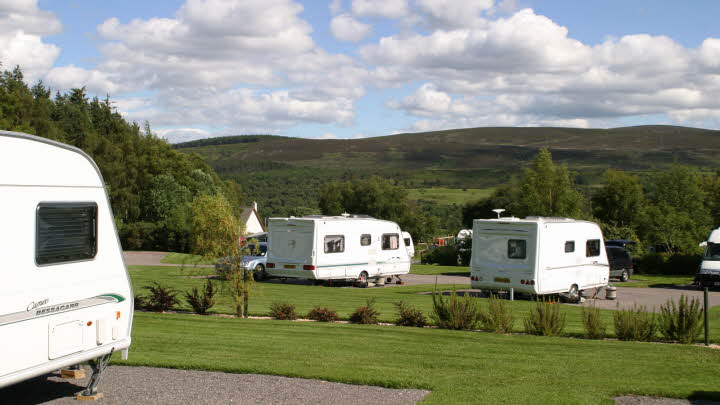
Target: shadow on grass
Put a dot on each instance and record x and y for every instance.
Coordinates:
(704, 398)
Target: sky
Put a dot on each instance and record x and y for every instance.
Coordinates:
(360, 68)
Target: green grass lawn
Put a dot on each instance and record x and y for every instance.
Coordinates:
(654, 280)
(458, 367)
(344, 300)
(436, 270)
(185, 258)
(449, 196)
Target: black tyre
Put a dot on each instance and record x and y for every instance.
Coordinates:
(362, 280)
(259, 273)
(625, 276)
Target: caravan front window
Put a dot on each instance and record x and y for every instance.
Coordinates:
(390, 241)
(65, 232)
(592, 248)
(334, 244)
(517, 248)
(712, 251)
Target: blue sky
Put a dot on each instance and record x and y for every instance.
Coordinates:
(358, 68)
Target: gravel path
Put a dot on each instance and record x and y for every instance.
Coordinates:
(636, 400)
(145, 385)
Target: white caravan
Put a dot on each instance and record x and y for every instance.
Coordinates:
(709, 273)
(349, 247)
(538, 255)
(65, 294)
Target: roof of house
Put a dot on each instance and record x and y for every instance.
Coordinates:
(247, 212)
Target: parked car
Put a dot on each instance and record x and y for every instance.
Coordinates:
(621, 263)
(255, 261)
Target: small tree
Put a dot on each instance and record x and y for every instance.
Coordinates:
(216, 233)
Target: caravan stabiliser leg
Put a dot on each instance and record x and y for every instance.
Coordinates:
(98, 366)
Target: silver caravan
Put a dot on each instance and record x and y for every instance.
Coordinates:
(538, 255)
(65, 294)
(346, 247)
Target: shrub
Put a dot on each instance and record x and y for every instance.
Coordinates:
(283, 310)
(545, 319)
(593, 323)
(498, 318)
(442, 255)
(201, 301)
(682, 322)
(323, 314)
(140, 301)
(366, 315)
(634, 324)
(409, 315)
(161, 298)
(454, 312)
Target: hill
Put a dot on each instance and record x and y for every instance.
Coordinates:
(283, 171)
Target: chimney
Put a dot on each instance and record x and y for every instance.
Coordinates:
(255, 205)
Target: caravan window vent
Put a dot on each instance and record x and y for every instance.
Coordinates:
(65, 232)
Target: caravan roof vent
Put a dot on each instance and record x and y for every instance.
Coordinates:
(549, 219)
(345, 214)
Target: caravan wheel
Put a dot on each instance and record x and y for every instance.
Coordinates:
(573, 291)
(362, 280)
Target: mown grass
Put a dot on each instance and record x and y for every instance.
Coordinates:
(436, 270)
(449, 196)
(458, 367)
(346, 300)
(654, 281)
(185, 258)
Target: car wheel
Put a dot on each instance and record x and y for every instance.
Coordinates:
(362, 280)
(259, 273)
(625, 276)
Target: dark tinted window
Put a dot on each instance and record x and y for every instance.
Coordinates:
(65, 232)
(592, 248)
(570, 246)
(517, 249)
(390, 241)
(365, 240)
(334, 244)
(407, 241)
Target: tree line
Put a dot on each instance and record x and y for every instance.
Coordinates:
(151, 186)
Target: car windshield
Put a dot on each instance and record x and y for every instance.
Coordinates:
(254, 252)
(712, 251)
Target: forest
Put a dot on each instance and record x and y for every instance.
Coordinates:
(151, 186)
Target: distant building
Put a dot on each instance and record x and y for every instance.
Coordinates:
(251, 219)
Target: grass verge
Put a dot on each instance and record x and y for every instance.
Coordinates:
(654, 281)
(436, 270)
(458, 367)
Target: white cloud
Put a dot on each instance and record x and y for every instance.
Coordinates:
(335, 6)
(71, 76)
(454, 14)
(380, 8)
(22, 26)
(346, 28)
(177, 135)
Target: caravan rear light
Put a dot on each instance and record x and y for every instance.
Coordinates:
(522, 281)
(270, 265)
(532, 282)
(308, 267)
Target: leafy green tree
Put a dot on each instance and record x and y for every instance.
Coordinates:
(546, 189)
(620, 202)
(677, 217)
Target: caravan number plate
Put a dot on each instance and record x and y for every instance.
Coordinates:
(289, 266)
(502, 280)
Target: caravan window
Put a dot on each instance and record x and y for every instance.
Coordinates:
(390, 241)
(65, 232)
(365, 239)
(334, 244)
(407, 241)
(570, 246)
(592, 248)
(517, 249)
